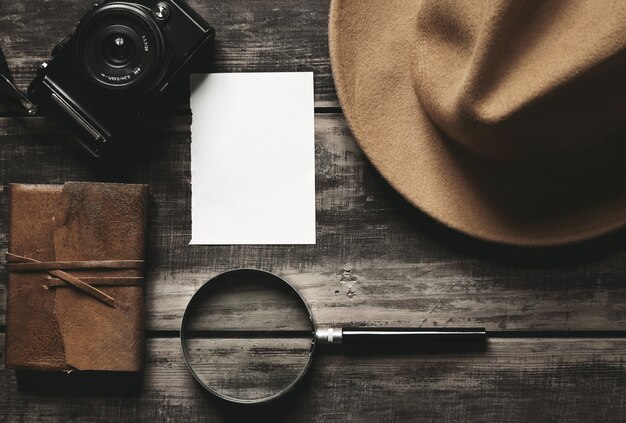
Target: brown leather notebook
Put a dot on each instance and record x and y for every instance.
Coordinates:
(76, 277)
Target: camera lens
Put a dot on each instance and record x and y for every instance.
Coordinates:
(120, 46)
(117, 49)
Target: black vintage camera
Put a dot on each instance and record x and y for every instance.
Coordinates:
(122, 55)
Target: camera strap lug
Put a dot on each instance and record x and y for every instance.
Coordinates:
(17, 99)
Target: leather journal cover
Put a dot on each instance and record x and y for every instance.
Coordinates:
(76, 277)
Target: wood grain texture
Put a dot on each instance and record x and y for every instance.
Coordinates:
(249, 369)
(252, 36)
(515, 380)
(377, 261)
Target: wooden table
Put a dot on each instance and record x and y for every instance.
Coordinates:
(557, 317)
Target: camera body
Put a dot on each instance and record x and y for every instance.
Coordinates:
(120, 58)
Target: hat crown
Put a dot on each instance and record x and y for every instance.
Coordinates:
(522, 79)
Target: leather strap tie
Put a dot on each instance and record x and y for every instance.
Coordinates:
(75, 265)
(56, 269)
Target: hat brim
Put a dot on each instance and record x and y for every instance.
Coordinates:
(543, 203)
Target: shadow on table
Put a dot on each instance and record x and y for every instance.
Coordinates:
(575, 253)
(108, 384)
(430, 347)
(288, 406)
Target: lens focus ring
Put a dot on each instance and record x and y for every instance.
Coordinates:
(120, 47)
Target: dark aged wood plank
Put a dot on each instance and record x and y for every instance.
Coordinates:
(515, 380)
(249, 368)
(249, 303)
(252, 36)
(377, 261)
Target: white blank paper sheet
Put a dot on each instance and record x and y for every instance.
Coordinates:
(253, 159)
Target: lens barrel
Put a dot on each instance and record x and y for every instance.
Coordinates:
(119, 46)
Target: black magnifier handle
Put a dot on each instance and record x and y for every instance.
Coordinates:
(399, 335)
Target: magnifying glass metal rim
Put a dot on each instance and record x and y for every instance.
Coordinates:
(183, 339)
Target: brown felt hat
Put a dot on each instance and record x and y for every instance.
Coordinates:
(502, 119)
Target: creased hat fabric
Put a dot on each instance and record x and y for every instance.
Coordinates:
(501, 119)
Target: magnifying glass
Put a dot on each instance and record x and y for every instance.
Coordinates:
(248, 336)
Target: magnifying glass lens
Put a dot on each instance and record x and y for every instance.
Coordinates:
(247, 336)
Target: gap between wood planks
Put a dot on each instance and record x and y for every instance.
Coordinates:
(509, 334)
(175, 112)
(498, 334)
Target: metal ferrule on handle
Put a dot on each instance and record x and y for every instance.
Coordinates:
(329, 336)
(399, 335)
